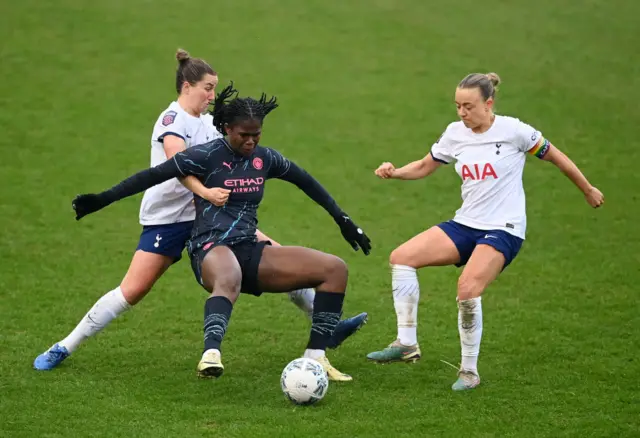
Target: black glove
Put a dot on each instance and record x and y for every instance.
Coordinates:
(353, 234)
(87, 204)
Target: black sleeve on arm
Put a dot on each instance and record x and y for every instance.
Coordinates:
(311, 187)
(142, 180)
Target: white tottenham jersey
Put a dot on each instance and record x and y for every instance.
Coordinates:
(491, 165)
(171, 202)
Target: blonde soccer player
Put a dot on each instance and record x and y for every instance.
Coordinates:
(486, 233)
(167, 214)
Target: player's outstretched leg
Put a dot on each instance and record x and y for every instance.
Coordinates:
(221, 275)
(288, 268)
(430, 248)
(144, 271)
(303, 299)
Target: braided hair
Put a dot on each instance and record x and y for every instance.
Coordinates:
(229, 109)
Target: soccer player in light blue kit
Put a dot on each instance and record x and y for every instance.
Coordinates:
(489, 153)
(167, 213)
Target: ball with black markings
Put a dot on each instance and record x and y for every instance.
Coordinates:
(304, 381)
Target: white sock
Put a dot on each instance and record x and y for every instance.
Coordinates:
(303, 298)
(470, 328)
(213, 350)
(313, 354)
(99, 316)
(406, 295)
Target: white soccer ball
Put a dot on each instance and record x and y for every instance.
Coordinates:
(304, 381)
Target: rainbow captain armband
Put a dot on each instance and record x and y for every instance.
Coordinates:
(541, 148)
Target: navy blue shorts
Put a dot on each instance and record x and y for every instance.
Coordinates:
(167, 240)
(466, 238)
(248, 255)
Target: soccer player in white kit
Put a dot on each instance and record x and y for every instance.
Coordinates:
(167, 213)
(489, 152)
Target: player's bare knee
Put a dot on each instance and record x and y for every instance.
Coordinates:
(228, 285)
(133, 293)
(395, 258)
(229, 290)
(469, 287)
(400, 256)
(336, 274)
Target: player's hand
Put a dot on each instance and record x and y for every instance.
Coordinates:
(87, 204)
(217, 196)
(594, 197)
(353, 234)
(385, 170)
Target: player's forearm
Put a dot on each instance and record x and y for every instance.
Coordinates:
(413, 170)
(194, 184)
(141, 181)
(568, 167)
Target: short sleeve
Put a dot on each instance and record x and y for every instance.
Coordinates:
(442, 149)
(531, 141)
(194, 160)
(277, 164)
(170, 123)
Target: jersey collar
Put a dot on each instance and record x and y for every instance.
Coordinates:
(236, 154)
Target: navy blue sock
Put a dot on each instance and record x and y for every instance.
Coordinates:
(217, 311)
(327, 310)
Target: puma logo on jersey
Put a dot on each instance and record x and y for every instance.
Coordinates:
(158, 239)
(475, 173)
(224, 163)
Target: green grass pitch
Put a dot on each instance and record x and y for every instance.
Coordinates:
(359, 82)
